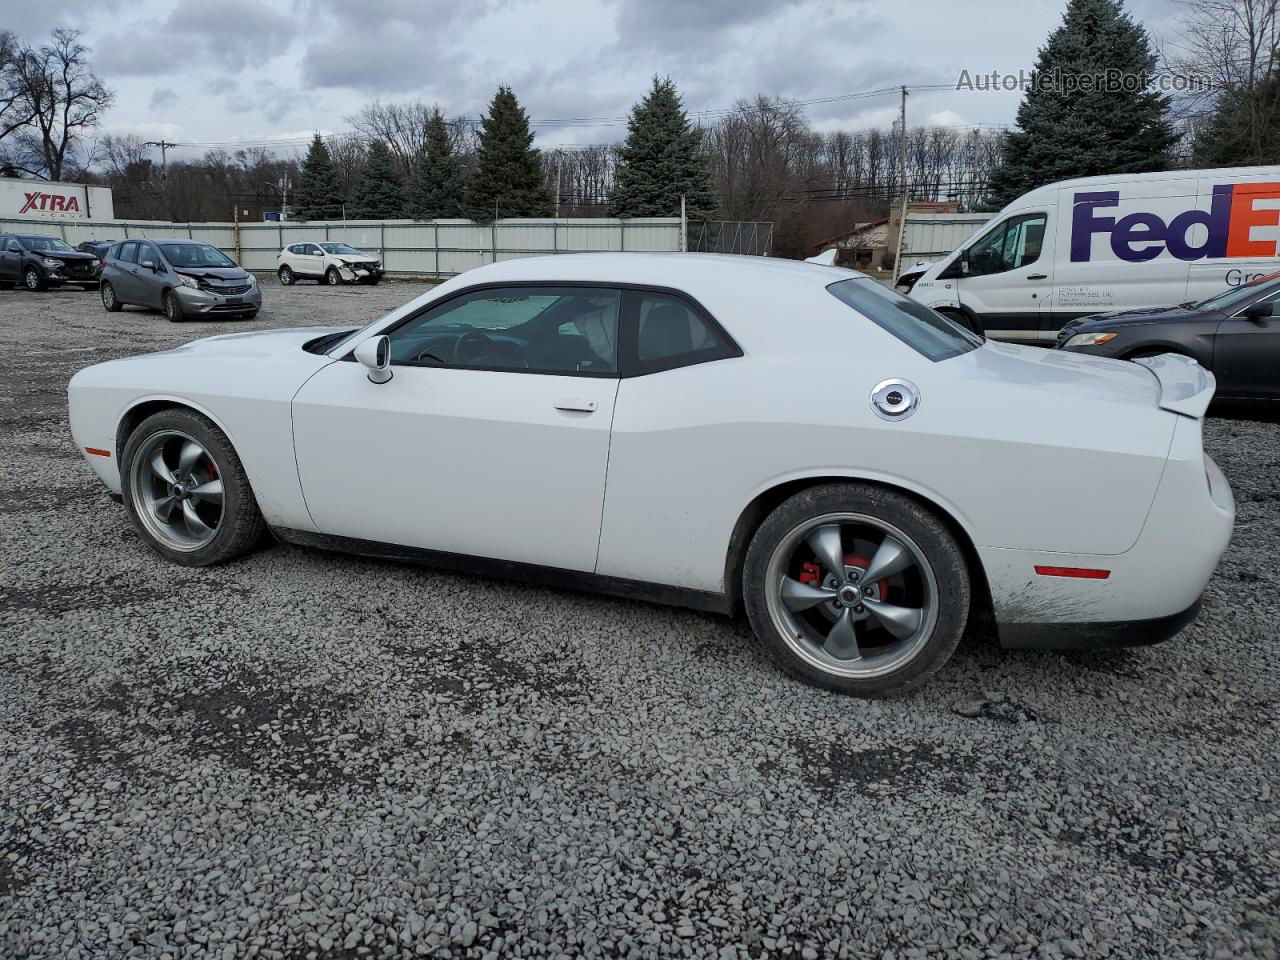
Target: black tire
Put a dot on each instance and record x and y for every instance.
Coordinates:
(333, 277)
(285, 274)
(109, 301)
(241, 528)
(251, 316)
(373, 281)
(172, 307)
(33, 279)
(969, 323)
(939, 547)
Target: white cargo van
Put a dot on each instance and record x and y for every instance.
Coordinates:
(1099, 244)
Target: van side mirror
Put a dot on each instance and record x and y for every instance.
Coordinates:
(374, 355)
(964, 262)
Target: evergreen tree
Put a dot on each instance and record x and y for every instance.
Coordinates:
(378, 195)
(319, 197)
(662, 160)
(437, 189)
(1092, 127)
(1244, 128)
(507, 180)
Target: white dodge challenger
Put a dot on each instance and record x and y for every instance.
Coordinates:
(863, 476)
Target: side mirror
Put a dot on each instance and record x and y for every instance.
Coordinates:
(964, 262)
(1258, 312)
(375, 355)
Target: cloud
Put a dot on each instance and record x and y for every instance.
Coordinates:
(162, 97)
(132, 55)
(688, 23)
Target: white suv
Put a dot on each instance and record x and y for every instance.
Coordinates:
(327, 262)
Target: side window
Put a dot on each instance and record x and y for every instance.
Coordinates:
(294, 248)
(1014, 243)
(314, 250)
(14, 246)
(129, 251)
(556, 330)
(147, 256)
(665, 331)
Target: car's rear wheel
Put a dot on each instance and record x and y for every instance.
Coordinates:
(857, 589)
(109, 300)
(286, 275)
(333, 277)
(33, 279)
(186, 491)
(172, 307)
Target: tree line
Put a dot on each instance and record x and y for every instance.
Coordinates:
(760, 161)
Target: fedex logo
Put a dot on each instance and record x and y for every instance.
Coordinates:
(1139, 237)
(52, 202)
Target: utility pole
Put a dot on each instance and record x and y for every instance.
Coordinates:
(284, 196)
(164, 146)
(902, 178)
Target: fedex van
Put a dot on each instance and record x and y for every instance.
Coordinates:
(1099, 244)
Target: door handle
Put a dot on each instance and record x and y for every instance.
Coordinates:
(578, 404)
(1038, 276)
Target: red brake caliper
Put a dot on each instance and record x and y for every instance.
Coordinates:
(811, 573)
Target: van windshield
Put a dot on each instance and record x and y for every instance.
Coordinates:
(925, 331)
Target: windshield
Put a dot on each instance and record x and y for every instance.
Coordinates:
(1233, 297)
(924, 330)
(338, 248)
(195, 255)
(48, 244)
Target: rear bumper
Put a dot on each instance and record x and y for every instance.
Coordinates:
(1101, 635)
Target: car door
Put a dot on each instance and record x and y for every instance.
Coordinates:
(10, 260)
(123, 273)
(1246, 353)
(1009, 282)
(149, 275)
(491, 439)
(313, 260)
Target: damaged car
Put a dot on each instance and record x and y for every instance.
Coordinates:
(328, 262)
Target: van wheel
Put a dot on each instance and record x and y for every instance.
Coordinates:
(856, 589)
(972, 324)
(172, 308)
(109, 300)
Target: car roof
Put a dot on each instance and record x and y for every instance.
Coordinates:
(660, 269)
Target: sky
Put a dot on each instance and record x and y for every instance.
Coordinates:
(232, 72)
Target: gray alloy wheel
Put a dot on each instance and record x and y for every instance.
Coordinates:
(866, 598)
(172, 308)
(109, 300)
(285, 273)
(856, 588)
(186, 491)
(32, 279)
(177, 491)
(332, 275)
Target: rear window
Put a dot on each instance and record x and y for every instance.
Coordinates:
(924, 330)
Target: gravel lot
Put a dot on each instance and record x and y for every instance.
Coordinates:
(305, 755)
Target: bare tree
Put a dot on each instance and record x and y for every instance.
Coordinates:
(401, 126)
(64, 97)
(15, 109)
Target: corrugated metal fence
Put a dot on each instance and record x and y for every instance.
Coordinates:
(932, 235)
(436, 248)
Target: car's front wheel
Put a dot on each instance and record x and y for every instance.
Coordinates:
(286, 275)
(33, 279)
(186, 491)
(857, 589)
(109, 300)
(333, 277)
(172, 307)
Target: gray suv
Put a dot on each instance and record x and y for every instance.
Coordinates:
(184, 278)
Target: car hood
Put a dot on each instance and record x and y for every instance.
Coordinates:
(354, 257)
(67, 256)
(257, 342)
(1130, 318)
(214, 273)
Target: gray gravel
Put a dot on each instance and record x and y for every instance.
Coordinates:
(305, 755)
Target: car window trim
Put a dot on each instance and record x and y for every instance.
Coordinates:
(629, 362)
(730, 344)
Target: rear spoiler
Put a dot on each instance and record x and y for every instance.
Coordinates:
(1185, 386)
